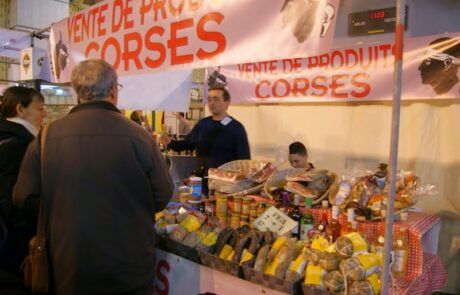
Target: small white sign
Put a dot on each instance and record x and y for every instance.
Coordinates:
(32, 60)
(276, 221)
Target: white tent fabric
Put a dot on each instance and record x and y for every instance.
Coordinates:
(345, 137)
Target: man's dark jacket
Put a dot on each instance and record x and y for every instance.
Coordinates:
(103, 180)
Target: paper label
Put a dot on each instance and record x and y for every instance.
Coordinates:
(359, 244)
(369, 261)
(400, 255)
(374, 280)
(246, 256)
(225, 252)
(299, 264)
(191, 223)
(304, 229)
(320, 243)
(196, 189)
(208, 239)
(314, 275)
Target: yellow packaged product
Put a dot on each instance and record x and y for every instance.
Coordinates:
(351, 244)
(359, 267)
(226, 251)
(314, 275)
(329, 261)
(362, 288)
(279, 265)
(320, 243)
(374, 280)
(191, 223)
(334, 281)
(276, 247)
(208, 239)
(246, 256)
(297, 267)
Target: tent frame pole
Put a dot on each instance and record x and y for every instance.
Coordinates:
(395, 122)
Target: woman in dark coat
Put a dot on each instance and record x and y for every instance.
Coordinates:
(22, 113)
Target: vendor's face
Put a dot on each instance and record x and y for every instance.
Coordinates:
(298, 161)
(216, 103)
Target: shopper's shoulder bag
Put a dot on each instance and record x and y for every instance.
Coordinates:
(36, 265)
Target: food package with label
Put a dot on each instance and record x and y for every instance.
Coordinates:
(278, 265)
(297, 267)
(369, 286)
(351, 244)
(334, 281)
(359, 267)
(314, 275)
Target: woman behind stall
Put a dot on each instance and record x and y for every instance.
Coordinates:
(21, 116)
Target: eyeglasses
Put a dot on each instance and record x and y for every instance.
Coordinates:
(120, 86)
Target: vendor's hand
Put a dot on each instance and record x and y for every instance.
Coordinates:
(164, 139)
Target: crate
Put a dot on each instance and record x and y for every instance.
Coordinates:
(219, 264)
(178, 249)
(271, 282)
(311, 290)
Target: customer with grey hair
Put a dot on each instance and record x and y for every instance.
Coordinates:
(103, 179)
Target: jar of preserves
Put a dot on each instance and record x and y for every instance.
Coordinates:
(237, 204)
(246, 206)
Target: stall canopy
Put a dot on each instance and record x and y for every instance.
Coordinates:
(140, 38)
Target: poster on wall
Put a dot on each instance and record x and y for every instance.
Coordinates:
(431, 70)
(139, 36)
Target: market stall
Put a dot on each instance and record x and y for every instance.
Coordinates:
(320, 234)
(176, 262)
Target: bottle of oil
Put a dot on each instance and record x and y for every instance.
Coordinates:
(401, 248)
(306, 221)
(348, 226)
(333, 229)
(295, 215)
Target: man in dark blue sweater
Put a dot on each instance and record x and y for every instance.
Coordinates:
(217, 139)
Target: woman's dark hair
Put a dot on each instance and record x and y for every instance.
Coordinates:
(17, 95)
(297, 148)
(136, 117)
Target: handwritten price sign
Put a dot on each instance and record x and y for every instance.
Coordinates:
(276, 221)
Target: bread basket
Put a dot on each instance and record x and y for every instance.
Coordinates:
(278, 179)
(245, 167)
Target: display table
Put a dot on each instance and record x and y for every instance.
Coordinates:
(175, 275)
(425, 274)
(423, 233)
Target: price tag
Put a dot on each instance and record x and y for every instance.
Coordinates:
(276, 221)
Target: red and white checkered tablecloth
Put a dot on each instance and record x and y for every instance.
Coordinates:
(433, 278)
(417, 224)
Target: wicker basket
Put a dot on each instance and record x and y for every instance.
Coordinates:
(271, 282)
(245, 167)
(278, 179)
(311, 290)
(222, 265)
(178, 249)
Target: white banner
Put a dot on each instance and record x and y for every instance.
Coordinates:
(142, 36)
(12, 42)
(157, 91)
(431, 70)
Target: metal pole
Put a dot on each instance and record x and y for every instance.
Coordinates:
(397, 81)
